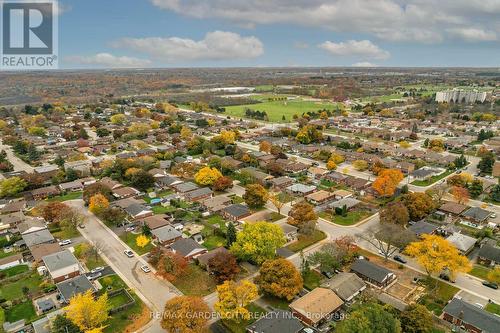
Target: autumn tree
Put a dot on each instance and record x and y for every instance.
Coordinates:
(96, 188)
(434, 254)
(387, 238)
(387, 181)
(222, 183)
(53, 211)
(258, 241)
(265, 146)
(118, 119)
(87, 312)
(279, 278)
(370, 318)
(360, 165)
(207, 176)
(416, 319)
(223, 266)
(233, 297)
(142, 180)
(186, 133)
(460, 194)
(395, 212)
(418, 205)
(142, 240)
(185, 314)
(331, 165)
(98, 203)
(494, 275)
(169, 265)
(336, 158)
(309, 134)
(12, 186)
(255, 196)
(275, 199)
(302, 214)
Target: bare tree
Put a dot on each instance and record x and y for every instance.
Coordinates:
(95, 249)
(387, 238)
(276, 201)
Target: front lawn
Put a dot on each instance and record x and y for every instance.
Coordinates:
(312, 279)
(20, 311)
(306, 241)
(277, 303)
(14, 270)
(493, 308)
(348, 220)
(240, 327)
(91, 261)
(195, 281)
(67, 196)
(130, 239)
(431, 180)
(438, 295)
(480, 272)
(162, 209)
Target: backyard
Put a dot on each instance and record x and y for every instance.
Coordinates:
(312, 279)
(14, 270)
(437, 296)
(14, 290)
(195, 281)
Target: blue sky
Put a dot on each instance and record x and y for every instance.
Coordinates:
(221, 33)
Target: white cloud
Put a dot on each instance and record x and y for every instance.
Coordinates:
(109, 60)
(363, 49)
(217, 45)
(364, 64)
(473, 34)
(396, 20)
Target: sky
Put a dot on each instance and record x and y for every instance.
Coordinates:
(231, 33)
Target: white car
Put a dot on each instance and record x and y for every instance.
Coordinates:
(145, 269)
(129, 253)
(131, 228)
(65, 242)
(94, 276)
(97, 270)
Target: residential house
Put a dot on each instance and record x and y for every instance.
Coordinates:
(77, 285)
(452, 208)
(138, 211)
(476, 214)
(374, 274)
(45, 192)
(166, 181)
(73, 186)
(348, 202)
(14, 206)
(422, 227)
(41, 250)
(259, 176)
(124, 192)
(166, 235)
(462, 242)
(346, 285)
(46, 172)
(205, 258)
(185, 187)
(489, 254)
(300, 189)
(316, 306)
(110, 183)
(11, 261)
(290, 232)
(280, 183)
(216, 203)
(188, 248)
(342, 194)
(320, 197)
(62, 265)
(277, 321)
(468, 317)
(316, 173)
(37, 237)
(155, 221)
(235, 212)
(198, 194)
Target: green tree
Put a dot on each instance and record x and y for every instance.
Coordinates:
(485, 165)
(12, 186)
(370, 318)
(258, 241)
(475, 188)
(230, 235)
(61, 324)
(416, 319)
(142, 180)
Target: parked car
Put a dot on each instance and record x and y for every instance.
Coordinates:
(97, 270)
(400, 259)
(145, 269)
(129, 253)
(65, 242)
(94, 276)
(327, 274)
(130, 228)
(445, 277)
(491, 285)
(364, 258)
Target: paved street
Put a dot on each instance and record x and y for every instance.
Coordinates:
(19, 165)
(152, 290)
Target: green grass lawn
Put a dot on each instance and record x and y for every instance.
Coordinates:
(195, 281)
(64, 233)
(67, 196)
(113, 281)
(431, 180)
(312, 279)
(480, 271)
(120, 320)
(217, 219)
(350, 219)
(117, 300)
(90, 260)
(21, 311)
(306, 240)
(213, 241)
(6, 254)
(130, 239)
(276, 109)
(15, 270)
(438, 295)
(275, 302)
(240, 327)
(14, 290)
(493, 308)
(162, 209)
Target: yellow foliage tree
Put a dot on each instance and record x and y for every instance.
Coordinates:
(331, 165)
(360, 165)
(207, 176)
(118, 118)
(337, 158)
(131, 171)
(186, 133)
(434, 254)
(404, 144)
(98, 203)
(228, 137)
(233, 297)
(265, 146)
(139, 129)
(86, 312)
(142, 241)
(494, 275)
(276, 201)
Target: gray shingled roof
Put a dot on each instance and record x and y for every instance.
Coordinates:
(198, 192)
(490, 252)
(166, 233)
(477, 213)
(487, 322)
(236, 210)
(278, 321)
(370, 270)
(423, 227)
(59, 260)
(38, 237)
(345, 285)
(71, 287)
(185, 246)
